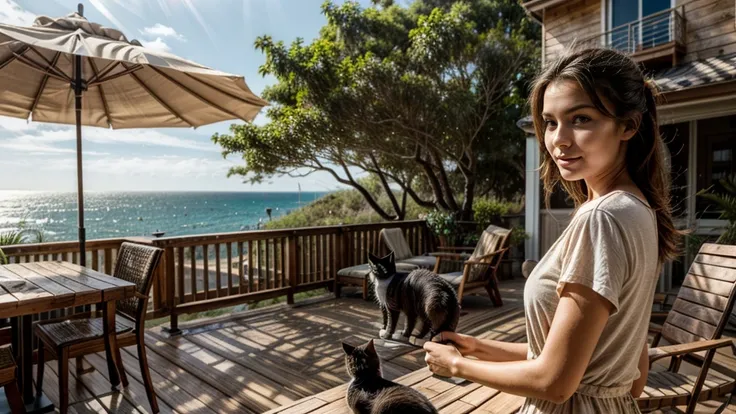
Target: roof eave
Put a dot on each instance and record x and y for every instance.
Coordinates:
(536, 7)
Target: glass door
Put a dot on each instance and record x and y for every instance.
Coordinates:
(655, 30)
(633, 29)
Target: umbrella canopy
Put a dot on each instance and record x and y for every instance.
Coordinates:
(48, 70)
(125, 85)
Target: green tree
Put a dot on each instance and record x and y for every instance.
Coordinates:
(424, 98)
(726, 201)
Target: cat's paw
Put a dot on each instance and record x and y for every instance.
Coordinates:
(417, 341)
(397, 336)
(383, 334)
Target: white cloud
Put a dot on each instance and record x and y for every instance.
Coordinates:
(12, 13)
(15, 124)
(159, 29)
(164, 166)
(157, 44)
(42, 140)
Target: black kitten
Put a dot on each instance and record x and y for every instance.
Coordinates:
(421, 294)
(370, 393)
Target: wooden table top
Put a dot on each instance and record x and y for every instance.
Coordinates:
(43, 286)
(448, 397)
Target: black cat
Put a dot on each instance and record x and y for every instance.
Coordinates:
(421, 294)
(370, 393)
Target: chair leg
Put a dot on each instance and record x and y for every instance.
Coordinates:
(338, 289)
(63, 355)
(146, 374)
(121, 368)
(14, 399)
(461, 289)
(82, 366)
(41, 362)
(493, 292)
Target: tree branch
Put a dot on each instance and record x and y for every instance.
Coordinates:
(386, 187)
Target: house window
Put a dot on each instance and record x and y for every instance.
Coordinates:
(716, 146)
(635, 24)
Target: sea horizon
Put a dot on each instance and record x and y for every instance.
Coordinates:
(110, 214)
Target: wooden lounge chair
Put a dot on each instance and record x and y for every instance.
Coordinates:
(693, 328)
(82, 334)
(480, 267)
(396, 242)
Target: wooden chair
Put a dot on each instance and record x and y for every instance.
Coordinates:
(395, 241)
(693, 328)
(9, 381)
(82, 334)
(480, 267)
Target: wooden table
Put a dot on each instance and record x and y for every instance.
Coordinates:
(30, 288)
(448, 397)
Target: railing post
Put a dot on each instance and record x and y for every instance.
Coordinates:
(630, 41)
(293, 257)
(169, 287)
(338, 259)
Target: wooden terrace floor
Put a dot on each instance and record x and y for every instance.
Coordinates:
(259, 361)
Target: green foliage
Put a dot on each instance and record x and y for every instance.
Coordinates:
(423, 97)
(23, 234)
(727, 203)
(517, 236)
(339, 208)
(442, 223)
(487, 211)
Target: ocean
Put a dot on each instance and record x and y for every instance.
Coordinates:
(118, 214)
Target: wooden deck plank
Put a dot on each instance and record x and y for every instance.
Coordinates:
(255, 362)
(251, 389)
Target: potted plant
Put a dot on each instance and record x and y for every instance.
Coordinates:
(727, 203)
(443, 225)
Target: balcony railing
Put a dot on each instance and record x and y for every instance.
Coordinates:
(203, 272)
(666, 27)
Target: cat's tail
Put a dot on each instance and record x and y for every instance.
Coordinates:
(443, 310)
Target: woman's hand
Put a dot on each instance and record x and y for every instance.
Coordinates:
(442, 359)
(465, 344)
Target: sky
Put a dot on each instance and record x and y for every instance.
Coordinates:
(215, 33)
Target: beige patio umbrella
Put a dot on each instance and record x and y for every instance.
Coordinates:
(71, 71)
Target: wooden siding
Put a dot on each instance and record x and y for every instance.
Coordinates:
(711, 26)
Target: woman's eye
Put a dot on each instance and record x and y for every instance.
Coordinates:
(548, 123)
(580, 119)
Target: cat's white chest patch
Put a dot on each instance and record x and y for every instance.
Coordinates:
(381, 288)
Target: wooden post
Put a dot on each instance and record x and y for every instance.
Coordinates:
(292, 258)
(170, 288)
(338, 251)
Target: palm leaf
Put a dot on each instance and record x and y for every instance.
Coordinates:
(11, 237)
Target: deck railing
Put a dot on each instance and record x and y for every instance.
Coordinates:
(654, 30)
(204, 272)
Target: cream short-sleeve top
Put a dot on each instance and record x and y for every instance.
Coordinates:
(611, 247)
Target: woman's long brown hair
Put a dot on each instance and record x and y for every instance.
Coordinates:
(613, 75)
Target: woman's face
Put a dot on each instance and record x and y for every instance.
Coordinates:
(584, 143)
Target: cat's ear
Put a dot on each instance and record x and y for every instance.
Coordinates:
(370, 348)
(390, 256)
(372, 258)
(348, 348)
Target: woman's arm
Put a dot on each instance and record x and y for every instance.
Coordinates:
(556, 374)
(499, 351)
(639, 384)
(486, 349)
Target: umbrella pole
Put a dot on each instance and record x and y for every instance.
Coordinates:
(80, 186)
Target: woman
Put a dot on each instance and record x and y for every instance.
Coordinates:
(588, 301)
